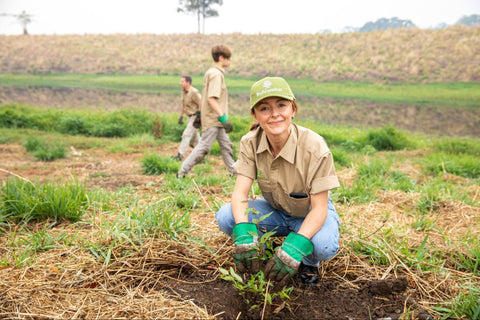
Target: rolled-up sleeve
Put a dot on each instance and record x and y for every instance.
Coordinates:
(325, 177)
(245, 165)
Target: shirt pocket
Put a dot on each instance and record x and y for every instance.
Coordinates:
(297, 207)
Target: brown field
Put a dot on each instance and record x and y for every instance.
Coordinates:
(409, 55)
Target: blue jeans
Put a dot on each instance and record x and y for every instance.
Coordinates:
(325, 241)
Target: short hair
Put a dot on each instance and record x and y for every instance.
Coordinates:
(188, 79)
(221, 50)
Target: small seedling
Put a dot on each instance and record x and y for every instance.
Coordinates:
(254, 288)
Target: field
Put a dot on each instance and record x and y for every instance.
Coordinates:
(94, 223)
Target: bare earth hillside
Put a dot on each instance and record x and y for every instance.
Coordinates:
(408, 55)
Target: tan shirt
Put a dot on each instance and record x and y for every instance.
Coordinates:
(304, 165)
(191, 101)
(213, 86)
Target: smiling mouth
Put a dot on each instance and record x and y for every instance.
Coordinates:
(276, 122)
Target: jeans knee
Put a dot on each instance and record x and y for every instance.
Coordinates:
(225, 219)
(325, 250)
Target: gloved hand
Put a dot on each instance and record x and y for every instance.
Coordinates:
(245, 255)
(180, 119)
(226, 123)
(288, 257)
(197, 123)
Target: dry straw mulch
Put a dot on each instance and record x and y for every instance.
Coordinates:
(71, 283)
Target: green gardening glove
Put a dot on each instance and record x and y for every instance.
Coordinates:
(288, 257)
(245, 255)
(226, 123)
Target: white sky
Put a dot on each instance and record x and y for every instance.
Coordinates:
(245, 16)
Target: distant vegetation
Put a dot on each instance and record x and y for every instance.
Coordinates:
(385, 24)
(469, 21)
(396, 23)
(405, 55)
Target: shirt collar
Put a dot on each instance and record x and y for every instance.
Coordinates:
(289, 149)
(219, 68)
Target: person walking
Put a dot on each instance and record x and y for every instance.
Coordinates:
(294, 169)
(214, 114)
(191, 106)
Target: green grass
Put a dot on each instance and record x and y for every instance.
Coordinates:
(462, 94)
(154, 164)
(23, 201)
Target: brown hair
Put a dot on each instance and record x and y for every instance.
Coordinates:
(221, 50)
(188, 79)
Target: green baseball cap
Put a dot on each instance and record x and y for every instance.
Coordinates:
(270, 87)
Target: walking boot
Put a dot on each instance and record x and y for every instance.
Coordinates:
(308, 274)
(178, 157)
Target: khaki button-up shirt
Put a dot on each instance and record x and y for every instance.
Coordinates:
(213, 86)
(304, 165)
(191, 101)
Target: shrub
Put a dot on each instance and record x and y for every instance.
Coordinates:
(387, 138)
(11, 118)
(73, 125)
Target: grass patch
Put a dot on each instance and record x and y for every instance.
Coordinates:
(24, 201)
(44, 152)
(154, 164)
(464, 165)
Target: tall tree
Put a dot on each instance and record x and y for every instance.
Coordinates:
(23, 18)
(201, 8)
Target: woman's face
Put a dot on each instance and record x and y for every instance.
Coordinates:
(274, 114)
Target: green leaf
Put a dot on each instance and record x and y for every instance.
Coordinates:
(223, 271)
(237, 277)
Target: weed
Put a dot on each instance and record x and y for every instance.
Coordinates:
(154, 164)
(41, 151)
(465, 306)
(42, 240)
(157, 128)
(186, 200)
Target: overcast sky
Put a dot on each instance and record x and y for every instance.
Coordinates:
(245, 16)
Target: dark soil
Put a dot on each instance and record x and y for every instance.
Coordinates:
(329, 299)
